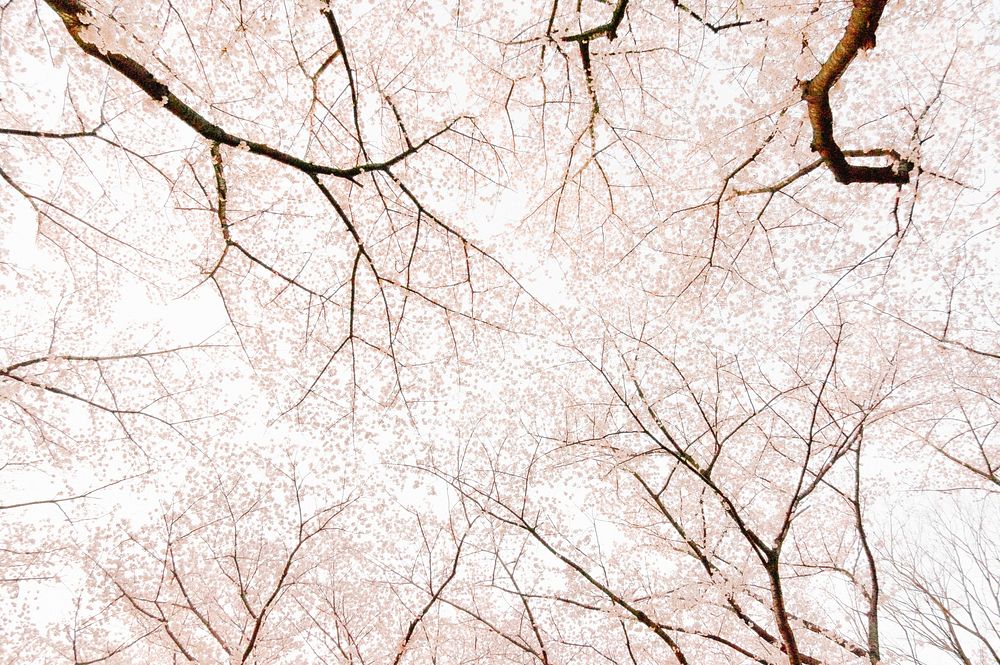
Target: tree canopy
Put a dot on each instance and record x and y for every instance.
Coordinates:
(634, 331)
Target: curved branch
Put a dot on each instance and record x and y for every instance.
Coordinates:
(609, 29)
(76, 17)
(858, 35)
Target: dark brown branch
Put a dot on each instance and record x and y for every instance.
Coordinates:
(435, 596)
(342, 49)
(789, 644)
(858, 35)
(47, 135)
(714, 27)
(809, 168)
(609, 29)
(872, 595)
(75, 16)
(636, 612)
(222, 190)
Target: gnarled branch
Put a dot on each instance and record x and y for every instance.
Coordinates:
(858, 35)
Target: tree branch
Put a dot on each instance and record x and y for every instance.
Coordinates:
(858, 35)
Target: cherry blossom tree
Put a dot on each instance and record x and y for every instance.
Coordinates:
(606, 331)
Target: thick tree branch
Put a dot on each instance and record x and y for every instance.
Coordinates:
(858, 35)
(609, 29)
(76, 17)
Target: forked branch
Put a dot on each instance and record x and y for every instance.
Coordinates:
(858, 35)
(77, 17)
